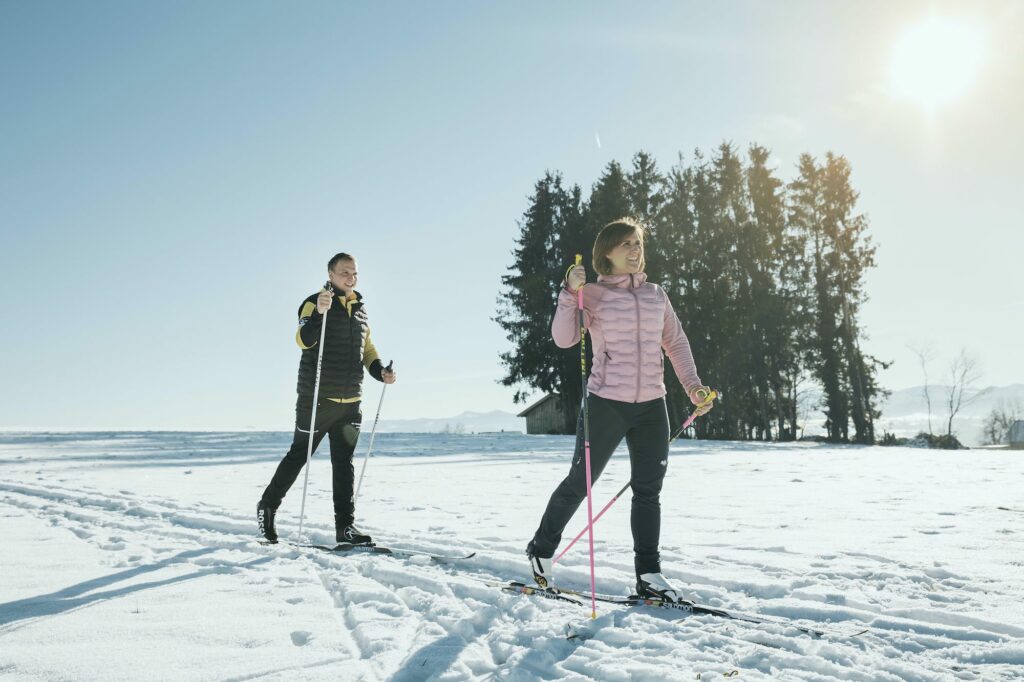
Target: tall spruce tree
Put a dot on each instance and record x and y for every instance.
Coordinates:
(851, 254)
(673, 250)
(807, 214)
(771, 315)
(531, 290)
(709, 292)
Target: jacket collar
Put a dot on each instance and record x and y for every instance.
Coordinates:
(341, 297)
(349, 304)
(624, 281)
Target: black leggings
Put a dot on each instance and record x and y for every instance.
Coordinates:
(340, 421)
(645, 428)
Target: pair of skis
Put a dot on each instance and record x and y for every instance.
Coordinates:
(681, 607)
(579, 598)
(347, 548)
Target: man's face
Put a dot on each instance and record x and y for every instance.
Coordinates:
(344, 276)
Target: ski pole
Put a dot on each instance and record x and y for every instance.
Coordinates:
(586, 440)
(686, 425)
(373, 433)
(312, 419)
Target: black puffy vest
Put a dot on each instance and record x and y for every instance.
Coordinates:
(341, 375)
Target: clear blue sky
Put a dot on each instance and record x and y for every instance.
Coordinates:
(176, 174)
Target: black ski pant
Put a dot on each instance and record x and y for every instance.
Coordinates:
(645, 428)
(339, 421)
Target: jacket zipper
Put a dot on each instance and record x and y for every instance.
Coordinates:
(639, 358)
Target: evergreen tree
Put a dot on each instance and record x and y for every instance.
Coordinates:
(608, 201)
(674, 251)
(531, 289)
(771, 314)
(807, 214)
(767, 279)
(851, 255)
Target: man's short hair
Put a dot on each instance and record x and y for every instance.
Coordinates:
(337, 258)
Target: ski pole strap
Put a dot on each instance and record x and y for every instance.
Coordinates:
(705, 395)
(710, 396)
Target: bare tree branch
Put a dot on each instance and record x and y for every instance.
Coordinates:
(965, 372)
(925, 353)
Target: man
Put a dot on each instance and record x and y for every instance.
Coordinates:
(347, 350)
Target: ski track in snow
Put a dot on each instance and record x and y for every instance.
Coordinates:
(383, 618)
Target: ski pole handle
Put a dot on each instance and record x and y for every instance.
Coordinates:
(574, 282)
(583, 326)
(710, 399)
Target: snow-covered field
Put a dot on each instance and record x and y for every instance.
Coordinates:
(132, 556)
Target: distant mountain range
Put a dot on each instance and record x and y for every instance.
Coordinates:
(904, 413)
(467, 422)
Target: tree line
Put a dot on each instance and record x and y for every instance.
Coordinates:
(767, 277)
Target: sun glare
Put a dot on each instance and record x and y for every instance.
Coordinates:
(936, 61)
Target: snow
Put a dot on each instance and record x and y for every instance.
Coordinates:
(132, 556)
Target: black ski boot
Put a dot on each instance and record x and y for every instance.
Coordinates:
(265, 519)
(350, 535)
(541, 566)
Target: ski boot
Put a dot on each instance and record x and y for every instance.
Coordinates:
(655, 586)
(542, 568)
(350, 535)
(265, 519)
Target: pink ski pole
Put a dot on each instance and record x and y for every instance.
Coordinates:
(612, 501)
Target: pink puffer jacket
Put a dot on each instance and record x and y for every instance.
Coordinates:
(630, 321)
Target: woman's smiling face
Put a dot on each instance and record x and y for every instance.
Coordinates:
(627, 255)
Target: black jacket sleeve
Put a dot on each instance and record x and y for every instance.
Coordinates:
(310, 321)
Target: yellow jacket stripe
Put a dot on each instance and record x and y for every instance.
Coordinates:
(307, 312)
(369, 352)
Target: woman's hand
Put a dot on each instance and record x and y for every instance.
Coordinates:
(702, 398)
(575, 278)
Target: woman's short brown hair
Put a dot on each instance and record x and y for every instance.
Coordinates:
(610, 236)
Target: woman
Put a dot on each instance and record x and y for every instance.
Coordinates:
(630, 322)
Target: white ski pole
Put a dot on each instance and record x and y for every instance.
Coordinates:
(312, 420)
(373, 433)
